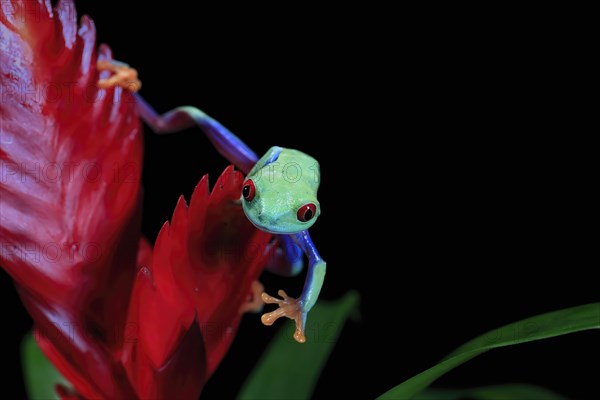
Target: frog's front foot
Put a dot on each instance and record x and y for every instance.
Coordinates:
(123, 76)
(288, 307)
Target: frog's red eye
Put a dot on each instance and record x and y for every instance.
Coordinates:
(248, 191)
(306, 212)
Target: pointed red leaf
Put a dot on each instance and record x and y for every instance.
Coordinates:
(224, 254)
(70, 166)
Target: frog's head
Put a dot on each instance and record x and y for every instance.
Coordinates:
(279, 194)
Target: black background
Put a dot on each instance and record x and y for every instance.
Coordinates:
(439, 203)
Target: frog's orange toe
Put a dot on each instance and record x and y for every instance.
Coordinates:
(123, 76)
(288, 307)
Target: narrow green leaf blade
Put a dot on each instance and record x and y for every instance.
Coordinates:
(38, 372)
(495, 392)
(290, 370)
(543, 326)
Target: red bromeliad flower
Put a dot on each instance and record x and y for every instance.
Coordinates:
(116, 317)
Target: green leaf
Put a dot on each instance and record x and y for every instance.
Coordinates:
(290, 370)
(39, 374)
(496, 392)
(543, 326)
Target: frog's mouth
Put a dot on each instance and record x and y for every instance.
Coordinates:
(273, 228)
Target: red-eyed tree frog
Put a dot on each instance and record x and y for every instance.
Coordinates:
(279, 194)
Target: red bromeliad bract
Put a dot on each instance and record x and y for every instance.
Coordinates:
(116, 317)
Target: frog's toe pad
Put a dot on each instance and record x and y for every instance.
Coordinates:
(288, 307)
(122, 75)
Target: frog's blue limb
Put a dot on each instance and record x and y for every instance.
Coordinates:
(297, 309)
(315, 274)
(287, 259)
(226, 143)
